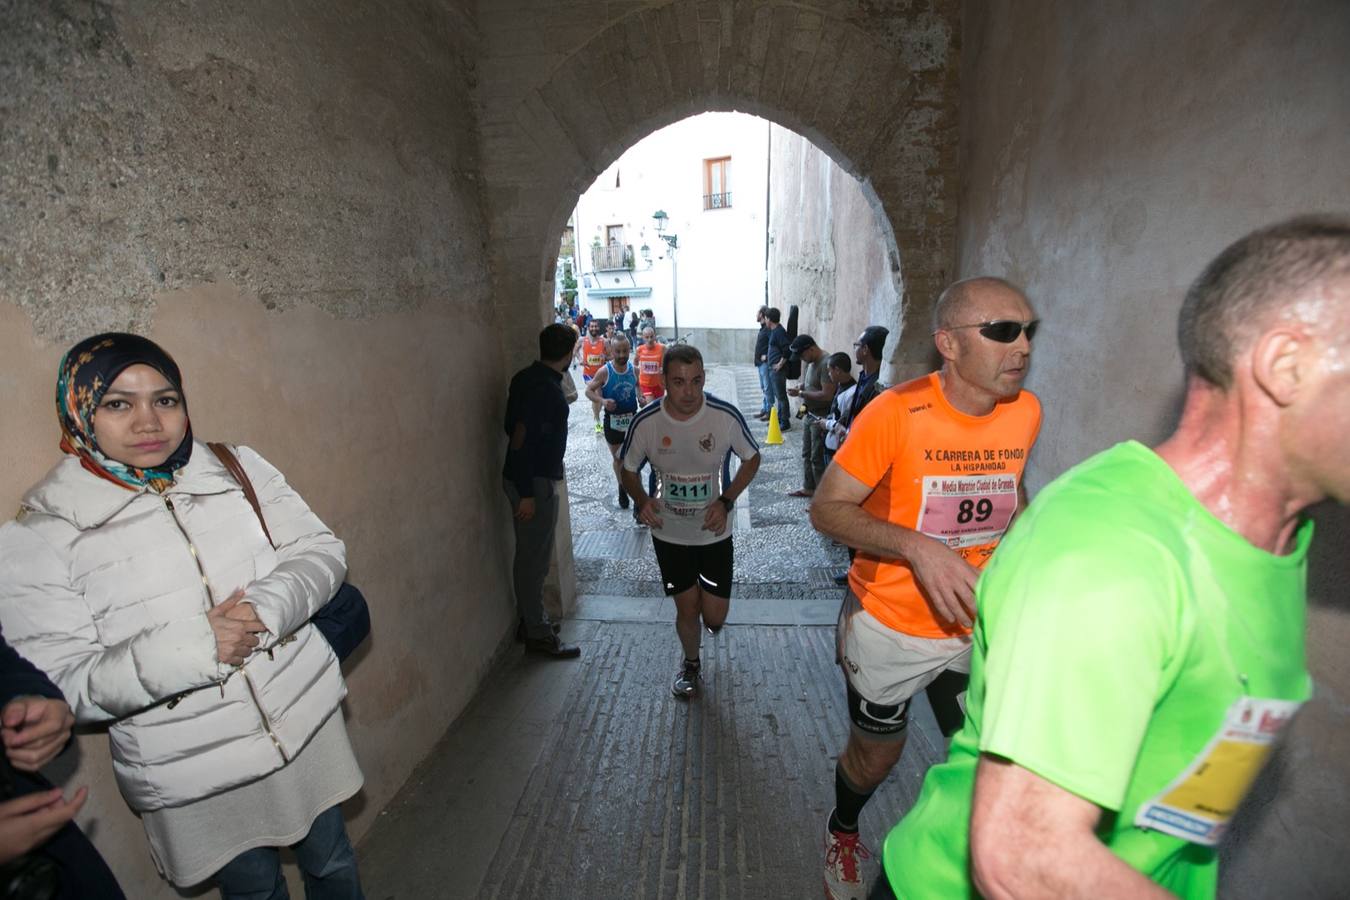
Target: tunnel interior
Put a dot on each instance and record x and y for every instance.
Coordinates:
(342, 220)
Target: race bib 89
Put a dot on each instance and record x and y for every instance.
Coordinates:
(968, 510)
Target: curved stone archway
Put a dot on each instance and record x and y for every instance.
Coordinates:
(562, 95)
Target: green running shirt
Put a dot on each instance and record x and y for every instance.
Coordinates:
(1117, 622)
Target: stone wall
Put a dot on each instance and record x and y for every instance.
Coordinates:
(285, 197)
(832, 255)
(1106, 159)
(565, 86)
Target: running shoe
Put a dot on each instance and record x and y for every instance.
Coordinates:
(687, 680)
(623, 499)
(599, 429)
(843, 877)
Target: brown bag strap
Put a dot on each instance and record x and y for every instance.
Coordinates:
(231, 462)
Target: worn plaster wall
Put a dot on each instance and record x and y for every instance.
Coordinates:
(832, 255)
(565, 86)
(283, 195)
(1106, 158)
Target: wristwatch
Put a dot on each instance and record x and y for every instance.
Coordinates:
(727, 502)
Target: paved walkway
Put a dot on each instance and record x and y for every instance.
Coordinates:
(588, 779)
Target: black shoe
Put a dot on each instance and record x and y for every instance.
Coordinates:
(551, 646)
(623, 499)
(841, 579)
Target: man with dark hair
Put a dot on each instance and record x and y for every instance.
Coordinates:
(869, 350)
(536, 424)
(1140, 643)
(816, 391)
(762, 361)
(779, 351)
(834, 426)
(687, 436)
(924, 488)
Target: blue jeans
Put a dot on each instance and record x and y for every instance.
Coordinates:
(326, 859)
(766, 387)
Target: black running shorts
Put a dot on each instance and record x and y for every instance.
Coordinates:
(683, 566)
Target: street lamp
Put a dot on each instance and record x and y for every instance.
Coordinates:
(673, 242)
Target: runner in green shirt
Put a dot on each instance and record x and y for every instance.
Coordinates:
(1139, 646)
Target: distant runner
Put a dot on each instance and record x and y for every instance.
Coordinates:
(594, 350)
(615, 387)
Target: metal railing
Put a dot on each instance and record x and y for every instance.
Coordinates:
(615, 256)
(717, 201)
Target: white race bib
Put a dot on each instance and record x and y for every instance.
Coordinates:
(620, 423)
(685, 494)
(1199, 802)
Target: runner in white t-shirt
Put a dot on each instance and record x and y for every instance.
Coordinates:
(686, 436)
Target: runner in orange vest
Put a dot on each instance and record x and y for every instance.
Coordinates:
(649, 357)
(594, 352)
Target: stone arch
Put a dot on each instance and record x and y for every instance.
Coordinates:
(874, 90)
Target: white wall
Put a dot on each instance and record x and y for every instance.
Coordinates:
(721, 251)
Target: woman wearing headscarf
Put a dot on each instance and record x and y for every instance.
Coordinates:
(139, 578)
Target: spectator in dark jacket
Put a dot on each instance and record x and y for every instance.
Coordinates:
(35, 726)
(779, 350)
(762, 361)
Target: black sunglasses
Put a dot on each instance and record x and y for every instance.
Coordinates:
(1004, 331)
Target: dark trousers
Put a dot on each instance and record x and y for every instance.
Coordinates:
(813, 456)
(780, 391)
(534, 552)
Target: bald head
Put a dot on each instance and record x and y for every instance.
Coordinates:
(959, 303)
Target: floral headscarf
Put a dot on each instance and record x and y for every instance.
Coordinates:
(87, 371)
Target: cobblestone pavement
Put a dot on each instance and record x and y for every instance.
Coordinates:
(777, 553)
(587, 779)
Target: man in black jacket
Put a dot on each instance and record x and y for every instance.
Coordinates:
(762, 362)
(779, 351)
(35, 725)
(536, 423)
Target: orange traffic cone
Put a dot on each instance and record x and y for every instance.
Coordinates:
(775, 433)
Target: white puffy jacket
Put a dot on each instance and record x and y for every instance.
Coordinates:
(106, 590)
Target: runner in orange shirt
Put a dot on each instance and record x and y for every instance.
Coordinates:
(593, 351)
(925, 487)
(649, 357)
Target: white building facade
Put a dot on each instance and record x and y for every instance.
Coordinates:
(709, 175)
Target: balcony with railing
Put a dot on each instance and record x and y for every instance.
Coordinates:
(717, 201)
(612, 257)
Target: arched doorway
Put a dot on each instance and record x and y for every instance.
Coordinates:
(560, 97)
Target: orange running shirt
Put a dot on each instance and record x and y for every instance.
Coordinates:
(938, 471)
(649, 365)
(592, 355)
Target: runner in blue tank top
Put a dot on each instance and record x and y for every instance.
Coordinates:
(615, 388)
